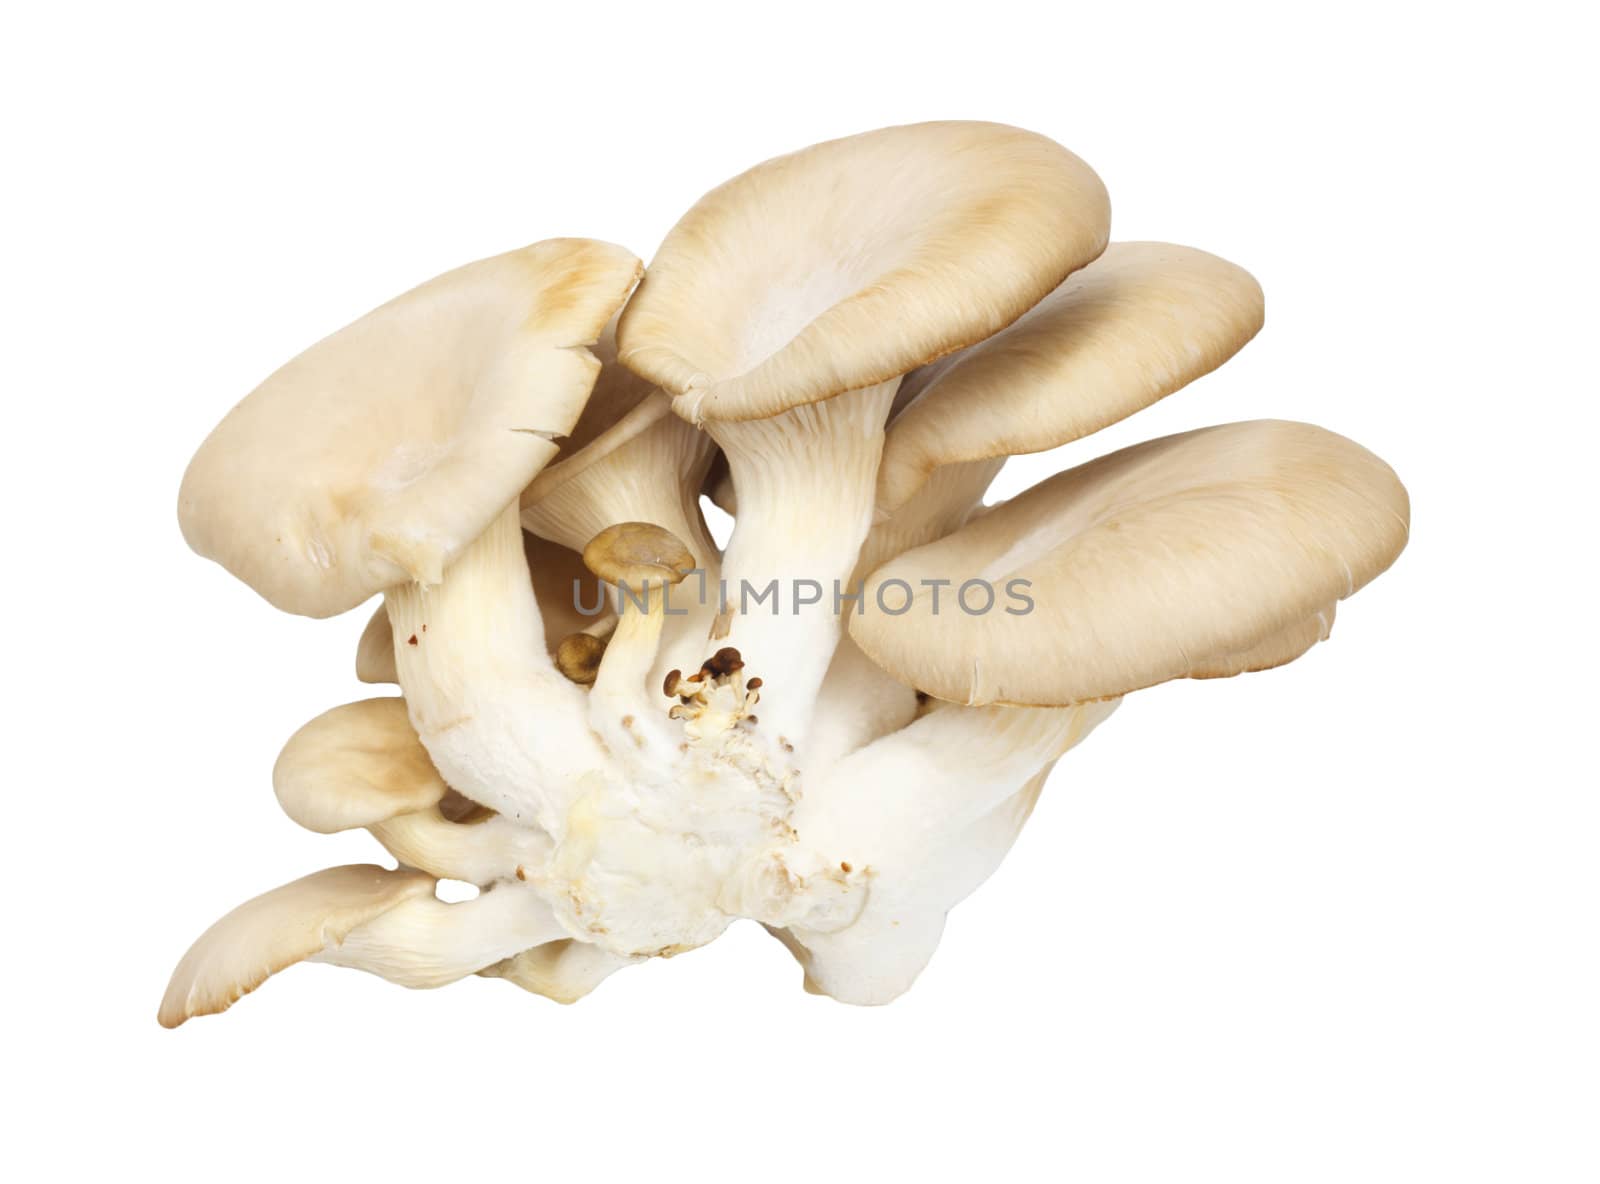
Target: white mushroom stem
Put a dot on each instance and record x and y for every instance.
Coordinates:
(564, 971)
(501, 723)
(942, 504)
(859, 702)
(805, 480)
(480, 852)
(625, 706)
(951, 766)
(425, 942)
(653, 476)
(926, 814)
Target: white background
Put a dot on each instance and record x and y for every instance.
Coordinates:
(1335, 922)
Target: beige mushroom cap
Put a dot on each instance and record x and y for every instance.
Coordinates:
(1181, 556)
(356, 765)
(854, 261)
(1140, 322)
(278, 929)
(638, 555)
(378, 454)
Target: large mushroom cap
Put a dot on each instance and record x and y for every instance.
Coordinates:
(278, 929)
(356, 765)
(1203, 553)
(1141, 321)
(852, 262)
(378, 454)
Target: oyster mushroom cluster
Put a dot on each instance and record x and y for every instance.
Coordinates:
(628, 739)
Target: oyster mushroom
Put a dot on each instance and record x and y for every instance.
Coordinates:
(387, 923)
(951, 792)
(1165, 560)
(361, 765)
(642, 560)
(629, 785)
(766, 303)
(278, 929)
(399, 447)
(1140, 322)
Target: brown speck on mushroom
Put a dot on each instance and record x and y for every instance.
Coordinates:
(412, 640)
(844, 866)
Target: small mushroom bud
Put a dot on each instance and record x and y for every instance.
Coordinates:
(643, 560)
(578, 657)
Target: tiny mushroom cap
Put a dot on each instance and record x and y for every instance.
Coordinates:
(1140, 322)
(774, 289)
(376, 456)
(578, 657)
(278, 929)
(1205, 553)
(357, 765)
(638, 555)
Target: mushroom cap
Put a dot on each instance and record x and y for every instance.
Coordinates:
(356, 765)
(578, 657)
(1140, 322)
(377, 455)
(638, 555)
(775, 289)
(1164, 560)
(278, 929)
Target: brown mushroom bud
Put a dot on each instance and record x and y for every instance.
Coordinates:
(578, 657)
